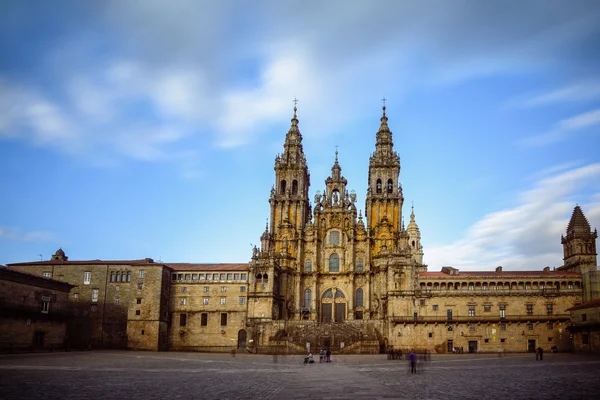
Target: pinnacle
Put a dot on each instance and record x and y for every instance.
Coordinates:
(578, 222)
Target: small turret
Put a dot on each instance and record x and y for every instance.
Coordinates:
(414, 238)
(59, 255)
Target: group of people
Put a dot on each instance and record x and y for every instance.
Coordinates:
(539, 354)
(416, 359)
(325, 355)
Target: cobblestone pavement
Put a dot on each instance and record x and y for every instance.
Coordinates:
(148, 375)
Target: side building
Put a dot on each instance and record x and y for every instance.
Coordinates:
(34, 312)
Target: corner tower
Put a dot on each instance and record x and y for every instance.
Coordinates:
(579, 249)
(384, 194)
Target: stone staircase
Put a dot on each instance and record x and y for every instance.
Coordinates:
(318, 334)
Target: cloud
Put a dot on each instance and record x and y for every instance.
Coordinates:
(576, 92)
(564, 128)
(526, 236)
(14, 234)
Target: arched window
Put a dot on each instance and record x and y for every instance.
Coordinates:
(308, 266)
(294, 187)
(359, 297)
(339, 294)
(413, 243)
(258, 277)
(334, 238)
(282, 187)
(265, 277)
(307, 298)
(390, 186)
(359, 265)
(328, 294)
(334, 263)
(378, 185)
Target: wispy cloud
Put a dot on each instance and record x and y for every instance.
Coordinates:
(15, 234)
(526, 236)
(575, 92)
(564, 128)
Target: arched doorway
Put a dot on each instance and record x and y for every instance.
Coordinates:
(333, 306)
(241, 339)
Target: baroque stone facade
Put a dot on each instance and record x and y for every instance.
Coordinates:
(327, 276)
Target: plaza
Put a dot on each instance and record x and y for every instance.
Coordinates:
(160, 375)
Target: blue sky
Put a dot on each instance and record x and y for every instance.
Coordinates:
(150, 129)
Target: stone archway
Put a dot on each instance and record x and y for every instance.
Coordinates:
(241, 339)
(333, 306)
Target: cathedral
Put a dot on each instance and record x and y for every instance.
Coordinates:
(325, 276)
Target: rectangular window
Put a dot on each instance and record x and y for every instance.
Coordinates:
(486, 340)
(242, 300)
(215, 277)
(194, 277)
(138, 312)
(206, 289)
(179, 277)
(585, 338)
(139, 300)
(183, 301)
(358, 315)
(236, 277)
(229, 277)
(47, 274)
(209, 277)
(141, 275)
(205, 301)
(223, 289)
(174, 277)
(118, 276)
(244, 277)
(242, 289)
(182, 319)
(201, 277)
(183, 289)
(188, 277)
(140, 286)
(484, 287)
(529, 327)
(421, 302)
(502, 327)
(549, 309)
(223, 319)
(550, 326)
(222, 277)
(502, 340)
(112, 276)
(223, 300)
(471, 310)
(128, 276)
(334, 238)
(87, 278)
(45, 305)
(502, 311)
(487, 308)
(203, 319)
(471, 286)
(549, 338)
(529, 309)
(94, 295)
(435, 307)
(430, 334)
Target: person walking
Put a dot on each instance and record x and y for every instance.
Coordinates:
(412, 357)
(537, 354)
(321, 355)
(541, 352)
(328, 355)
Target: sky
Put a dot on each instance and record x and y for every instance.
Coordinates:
(150, 129)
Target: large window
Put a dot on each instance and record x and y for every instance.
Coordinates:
(334, 238)
(141, 275)
(549, 308)
(502, 311)
(308, 266)
(359, 265)
(182, 319)
(307, 298)
(334, 263)
(471, 310)
(223, 319)
(94, 295)
(87, 278)
(203, 319)
(529, 309)
(359, 297)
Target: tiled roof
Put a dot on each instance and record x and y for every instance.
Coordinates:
(499, 274)
(8, 272)
(207, 267)
(89, 262)
(589, 304)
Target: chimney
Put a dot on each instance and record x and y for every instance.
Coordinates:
(499, 268)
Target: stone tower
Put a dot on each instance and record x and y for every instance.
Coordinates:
(273, 267)
(579, 249)
(384, 194)
(414, 238)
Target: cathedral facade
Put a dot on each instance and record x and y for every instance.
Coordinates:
(325, 276)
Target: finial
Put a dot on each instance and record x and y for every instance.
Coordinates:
(267, 225)
(383, 100)
(336, 153)
(295, 104)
